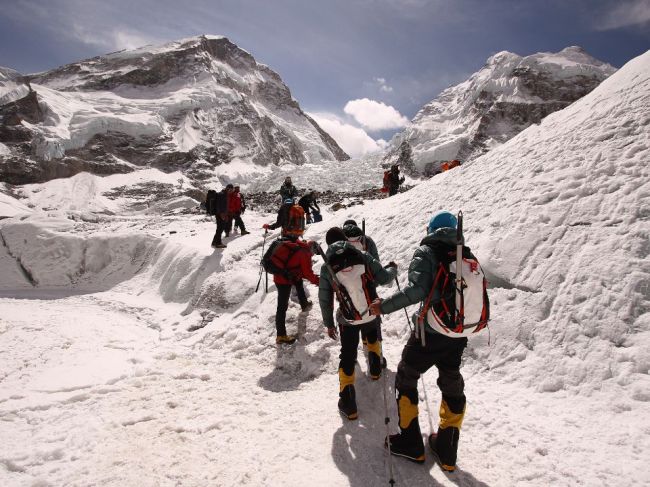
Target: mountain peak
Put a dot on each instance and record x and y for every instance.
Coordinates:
(504, 97)
(193, 104)
(502, 57)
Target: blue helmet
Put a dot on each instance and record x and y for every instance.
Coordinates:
(288, 201)
(442, 219)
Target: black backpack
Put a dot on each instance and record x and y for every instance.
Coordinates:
(211, 202)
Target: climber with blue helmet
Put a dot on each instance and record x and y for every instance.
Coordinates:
(440, 350)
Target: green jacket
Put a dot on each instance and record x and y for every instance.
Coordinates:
(421, 271)
(326, 290)
(288, 191)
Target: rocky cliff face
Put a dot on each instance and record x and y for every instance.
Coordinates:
(196, 105)
(507, 95)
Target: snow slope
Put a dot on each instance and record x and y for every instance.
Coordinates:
(134, 354)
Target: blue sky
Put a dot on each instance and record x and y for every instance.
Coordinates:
(347, 61)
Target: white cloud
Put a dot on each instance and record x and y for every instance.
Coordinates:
(383, 86)
(114, 39)
(625, 14)
(375, 115)
(353, 140)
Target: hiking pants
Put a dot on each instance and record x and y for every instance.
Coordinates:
(284, 293)
(350, 343)
(443, 352)
(222, 226)
(392, 190)
(239, 222)
(364, 332)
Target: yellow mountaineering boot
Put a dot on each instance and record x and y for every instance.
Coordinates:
(347, 396)
(445, 443)
(408, 443)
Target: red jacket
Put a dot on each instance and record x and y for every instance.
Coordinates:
(234, 202)
(299, 264)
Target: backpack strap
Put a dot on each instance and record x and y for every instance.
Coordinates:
(293, 250)
(442, 272)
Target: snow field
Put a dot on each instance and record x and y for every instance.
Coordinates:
(557, 391)
(224, 398)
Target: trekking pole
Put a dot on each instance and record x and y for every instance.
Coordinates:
(391, 481)
(405, 312)
(419, 330)
(460, 299)
(424, 389)
(426, 401)
(259, 280)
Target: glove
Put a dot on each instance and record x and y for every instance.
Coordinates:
(375, 307)
(392, 264)
(313, 247)
(266, 226)
(331, 332)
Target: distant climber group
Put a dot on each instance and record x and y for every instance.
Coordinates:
(392, 180)
(227, 206)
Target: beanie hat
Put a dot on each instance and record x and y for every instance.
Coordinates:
(352, 231)
(350, 222)
(335, 234)
(442, 219)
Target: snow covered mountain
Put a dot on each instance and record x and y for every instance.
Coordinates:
(201, 105)
(127, 333)
(506, 96)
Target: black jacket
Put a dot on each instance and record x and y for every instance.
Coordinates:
(221, 202)
(308, 202)
(283, 217)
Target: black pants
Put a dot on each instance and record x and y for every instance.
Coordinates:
(238, 223)
(364, 331)
(284, 293)
(443, 352)
(222, 227)
(392, 190)
(350, 343)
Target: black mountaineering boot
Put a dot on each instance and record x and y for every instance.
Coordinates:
(445, 443)
(374, 360)
(408, 443)
(348, 403)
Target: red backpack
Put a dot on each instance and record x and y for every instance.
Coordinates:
(386, 181)
(296, 221)
(276, 259)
